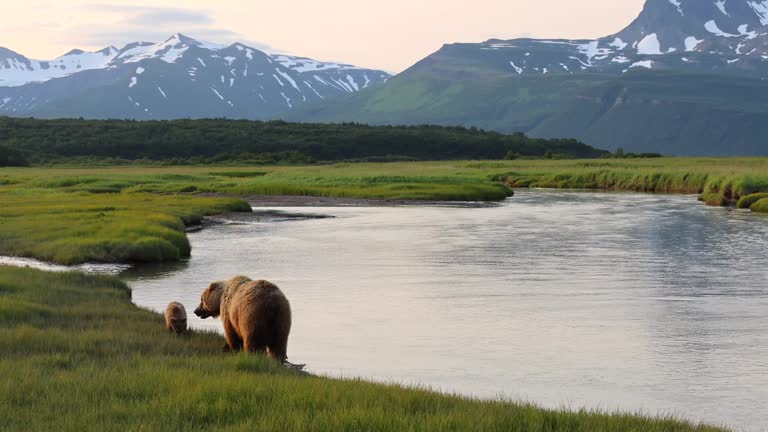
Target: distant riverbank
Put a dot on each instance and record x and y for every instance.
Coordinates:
(139, 214)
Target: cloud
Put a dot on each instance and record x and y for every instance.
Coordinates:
(150, 15)
(141, 24)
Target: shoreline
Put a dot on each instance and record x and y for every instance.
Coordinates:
(265, 201)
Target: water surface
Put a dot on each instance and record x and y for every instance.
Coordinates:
(649, 303)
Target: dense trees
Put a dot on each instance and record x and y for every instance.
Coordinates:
(11, 157)
(267, 142)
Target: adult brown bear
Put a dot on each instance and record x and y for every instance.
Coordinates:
(256, 315)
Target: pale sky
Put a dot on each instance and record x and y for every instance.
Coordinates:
(390, 35)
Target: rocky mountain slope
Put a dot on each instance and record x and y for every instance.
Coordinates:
(686, 77)
(177, 78)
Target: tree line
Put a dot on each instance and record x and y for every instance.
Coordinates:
(33, 141)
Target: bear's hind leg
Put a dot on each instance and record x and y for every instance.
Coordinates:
(254, 345)
(234, 342)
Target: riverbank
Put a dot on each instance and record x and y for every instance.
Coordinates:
(79, 356)
(139, 214)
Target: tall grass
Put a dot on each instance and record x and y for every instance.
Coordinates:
(747, 201)
(77, 355)
(760, 206)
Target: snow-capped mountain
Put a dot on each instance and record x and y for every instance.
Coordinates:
(721, 36)
(177, 78)
(687, 77)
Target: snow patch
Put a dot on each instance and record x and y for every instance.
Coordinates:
(648, 64)
(721, 5)
(676, 3)
(217, 93)
(744, 30)
(649, 45)
(133, 82)
(288, 78)
(287, 100)
(592, 49)
(302, 64)
(517, 69)
(139, 70)
(618, 44)
(162, 92)
(761, 9)
(691, 43)
(352, 82)
(313, 89)
(712, 27)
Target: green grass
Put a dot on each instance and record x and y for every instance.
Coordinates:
(77, 227)
(748, 200)
(77, 355)
(119, 214)
(760, 206)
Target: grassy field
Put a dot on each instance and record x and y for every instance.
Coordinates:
(77, 355)
(129, 214)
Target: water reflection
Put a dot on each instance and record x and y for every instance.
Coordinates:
(612, 301)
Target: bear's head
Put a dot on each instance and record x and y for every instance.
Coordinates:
(179, 324)
(210, 301)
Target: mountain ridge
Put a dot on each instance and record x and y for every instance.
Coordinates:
(685, 77)
(177, 78)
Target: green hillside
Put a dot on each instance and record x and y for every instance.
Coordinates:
(642, 111)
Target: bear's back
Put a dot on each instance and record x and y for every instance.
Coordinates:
(241, 292)
(176, 310)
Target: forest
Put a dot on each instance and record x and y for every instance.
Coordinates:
(38, 142)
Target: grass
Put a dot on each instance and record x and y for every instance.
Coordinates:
(77, 355)
(137, 214)
(77, 227)
(760, 206)
(748, 200)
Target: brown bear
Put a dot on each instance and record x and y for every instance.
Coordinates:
(256, 315)
(176, 318)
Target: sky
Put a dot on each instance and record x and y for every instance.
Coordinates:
(390, 35)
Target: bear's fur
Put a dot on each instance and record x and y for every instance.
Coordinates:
(176, 318)
(256, 315)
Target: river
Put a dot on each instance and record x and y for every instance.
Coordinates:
(612, 301)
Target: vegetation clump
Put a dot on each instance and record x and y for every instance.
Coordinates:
(760, 206)
(747, 201)
(78, 227)
(77, 355)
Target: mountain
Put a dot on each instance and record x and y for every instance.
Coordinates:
(177, 78)
(686, 77)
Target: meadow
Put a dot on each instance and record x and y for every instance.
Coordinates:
(78, 355)
(139, 213)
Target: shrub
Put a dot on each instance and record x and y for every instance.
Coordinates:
(746, 201)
